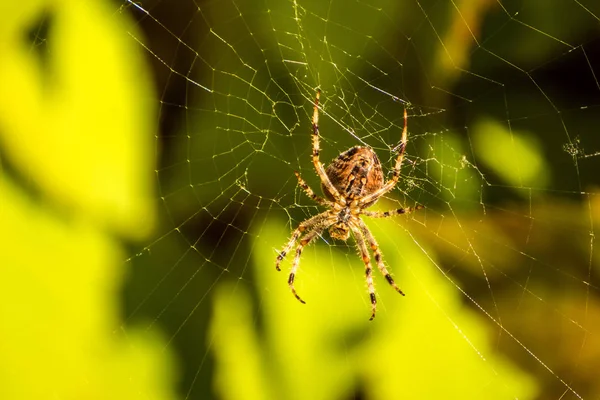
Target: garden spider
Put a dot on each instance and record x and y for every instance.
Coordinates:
(351, 183)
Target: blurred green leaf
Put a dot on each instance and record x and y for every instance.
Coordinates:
(59, 285)
(75, 134)
(514, 155)
(424, 346)
(78, 126)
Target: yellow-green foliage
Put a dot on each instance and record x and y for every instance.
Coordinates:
(514, 155)
(76, 130)
(422, 346)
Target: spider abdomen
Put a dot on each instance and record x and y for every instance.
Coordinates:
(355, 173)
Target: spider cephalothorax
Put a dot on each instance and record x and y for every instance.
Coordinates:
(351, 183)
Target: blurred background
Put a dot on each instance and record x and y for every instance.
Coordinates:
(147, 158)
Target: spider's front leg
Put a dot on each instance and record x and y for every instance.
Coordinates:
(378, 256)
(308, 224)
(364, 252)
(305, 241)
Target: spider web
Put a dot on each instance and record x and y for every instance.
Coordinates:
(504, 105)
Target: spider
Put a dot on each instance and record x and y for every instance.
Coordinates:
(351, 183)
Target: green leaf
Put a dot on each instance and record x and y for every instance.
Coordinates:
(426, 345)
(76, 132)
(514, 155)
(59, 285)
(78, 126)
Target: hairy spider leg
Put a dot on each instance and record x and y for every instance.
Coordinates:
(392, 213)
(304, 241)
(317, 150)
(310, 193)
(389, 185)
(378, 256)
(364, 253)
(308, 224)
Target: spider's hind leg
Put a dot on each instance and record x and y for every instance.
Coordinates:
(389, 185)
(319, 168)
(310, 193)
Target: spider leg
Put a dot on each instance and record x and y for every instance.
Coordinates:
(317, 150)
(389, 185)
(310, 193)
(305, 241)
(308, 224)
(364, 253)
(378, 255)
(392, 213)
